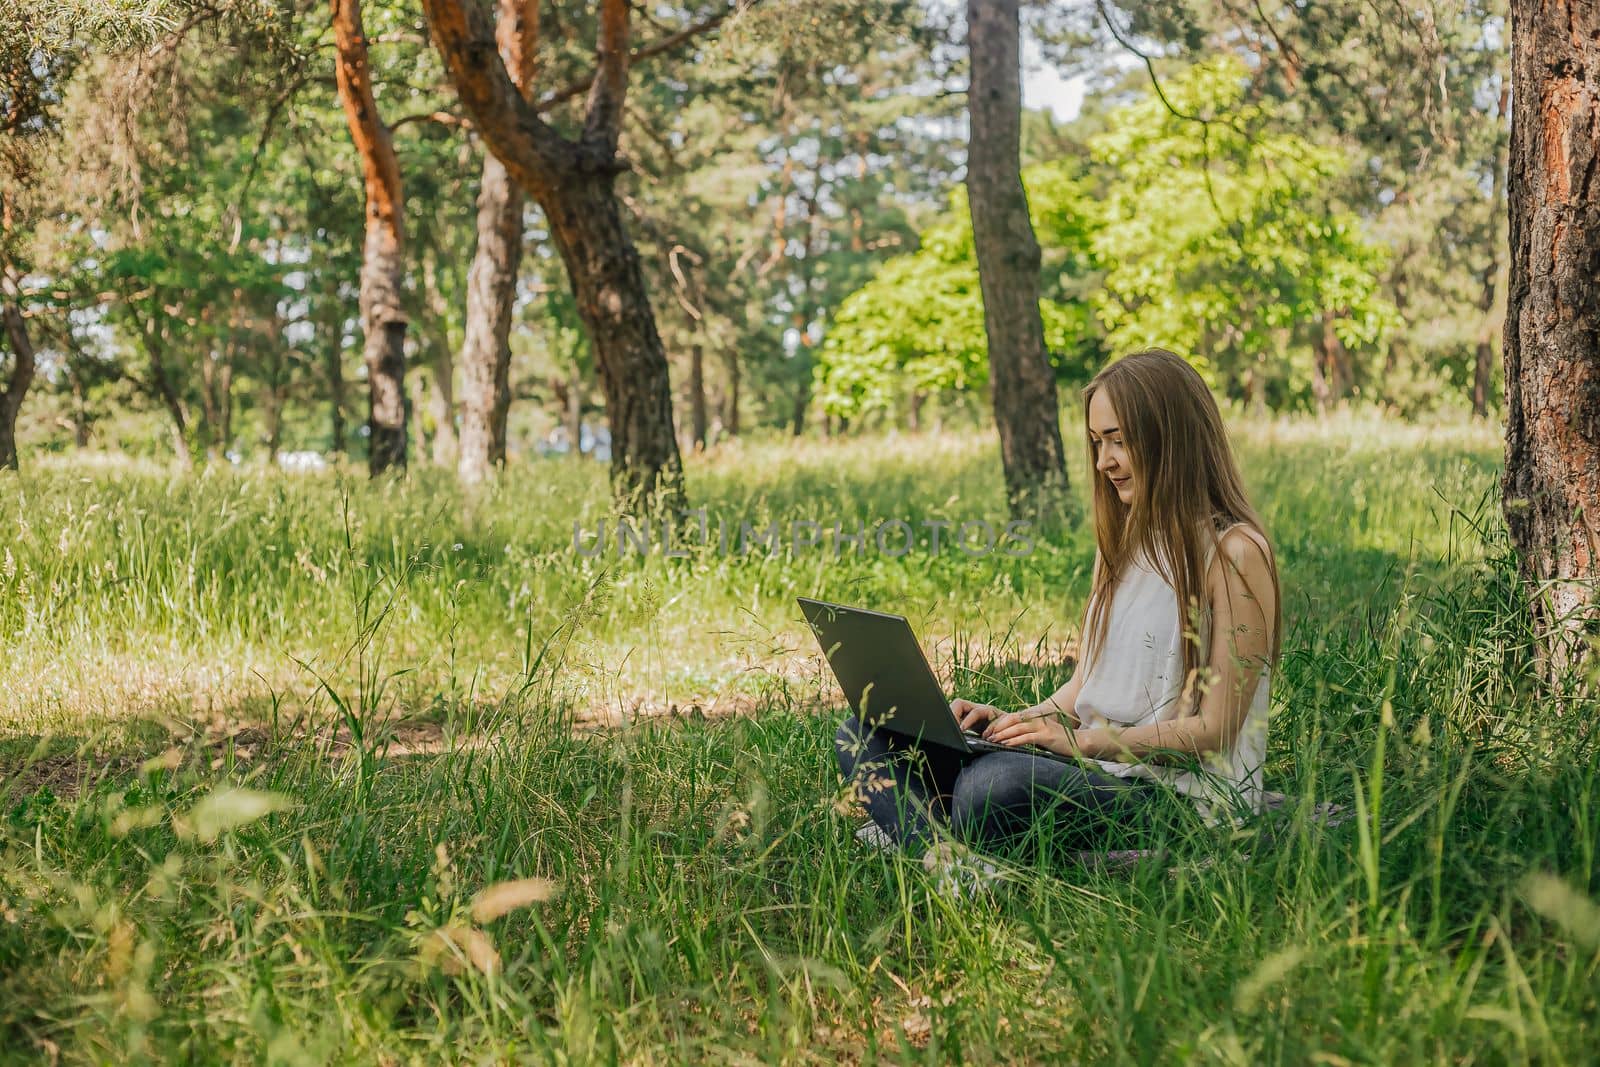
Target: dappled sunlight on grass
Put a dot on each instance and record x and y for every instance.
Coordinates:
(268, 745)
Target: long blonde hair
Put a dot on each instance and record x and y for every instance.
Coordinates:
(1187, 490)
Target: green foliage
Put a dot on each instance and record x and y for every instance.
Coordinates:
(917, 326)
(1219, 238)
(1213, 235)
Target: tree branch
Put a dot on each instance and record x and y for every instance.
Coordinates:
(374, 143)
(517, 34)
(655, 48)
(603, 120)
(442, 118)
(535, 154)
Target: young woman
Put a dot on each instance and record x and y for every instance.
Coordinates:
(1163, 699)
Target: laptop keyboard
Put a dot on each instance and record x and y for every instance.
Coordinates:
(983, 744)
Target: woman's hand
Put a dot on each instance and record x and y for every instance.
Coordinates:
(970, 715)
(1033, 728)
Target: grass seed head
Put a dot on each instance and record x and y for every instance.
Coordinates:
(502, 897)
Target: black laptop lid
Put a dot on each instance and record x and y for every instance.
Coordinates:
(883, 672)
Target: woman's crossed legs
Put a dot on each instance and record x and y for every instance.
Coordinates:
(986, 799)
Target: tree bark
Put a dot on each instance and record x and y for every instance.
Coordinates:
(23, 363)
(730, 398)
(797, 414)
(608, 283)
(492, 278)
(383, 265)
(1491, 273)
(443, 406)
(216, 399)
(335, 371)
(1026, 408)
(277, 385)
(486, 352)
(698, 419)
(574, 182)
(1552, 337)
(574, 411)
(441, 370)
(1330, 372)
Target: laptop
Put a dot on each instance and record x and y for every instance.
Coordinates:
(888, 682)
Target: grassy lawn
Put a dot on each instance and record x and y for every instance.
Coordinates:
(265, 739)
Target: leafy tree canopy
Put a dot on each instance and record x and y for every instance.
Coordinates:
(917, 326)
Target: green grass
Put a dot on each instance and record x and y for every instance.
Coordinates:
(410, 674)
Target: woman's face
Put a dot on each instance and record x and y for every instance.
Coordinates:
(1111, 460)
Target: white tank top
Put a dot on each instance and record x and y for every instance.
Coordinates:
(1138, 679)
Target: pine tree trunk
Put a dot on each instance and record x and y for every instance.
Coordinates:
(574, 181)
(383, 264)
(335, 372)
(608, 284)
(443, 404)
(1026, 409)
(797, 417)
(161, 384)
(486, 351)
(575, 411)
(730, 398)
(1552, 338)
(80, 404)
(697, 396)
(23, 363)
(383, 351)
(225, 407)
(492, 279)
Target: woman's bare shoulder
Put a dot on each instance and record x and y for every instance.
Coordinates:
(1246, 553)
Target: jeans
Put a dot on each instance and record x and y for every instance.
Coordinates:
(988, 798)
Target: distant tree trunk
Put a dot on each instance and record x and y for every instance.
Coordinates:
(276, 365)
(797, 418)
(1552, 338)
(442, 404)
(486, 352)
(383, 264)
(608, 282)
(492, 278)
(216, 398)
(697, 396)
(23, 363)
(1026, 409)
(574, 410)
(574, 180)
(334, 324)
(730, 397)
(272, 415)
(1330, 374)
(80, 402)
(1484, 366)
(161, 384)
(225, 407)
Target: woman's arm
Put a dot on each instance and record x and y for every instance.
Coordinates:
(1063, 701)
(1240, 588)
(1058, 706)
